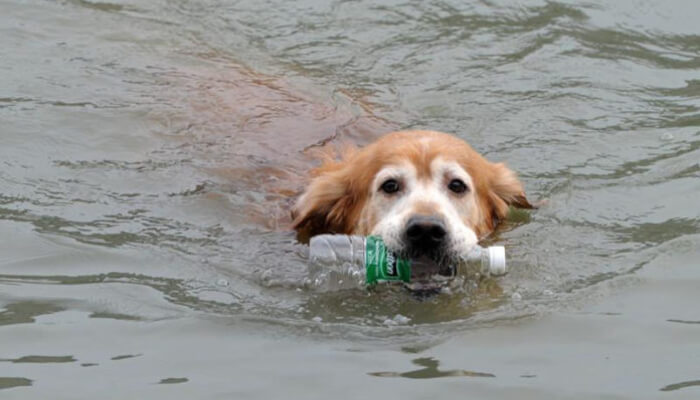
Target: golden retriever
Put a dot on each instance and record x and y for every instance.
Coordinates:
(425, 193)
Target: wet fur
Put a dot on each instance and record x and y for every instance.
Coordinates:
(336, 199)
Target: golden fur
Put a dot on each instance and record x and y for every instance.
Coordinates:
(338, 196)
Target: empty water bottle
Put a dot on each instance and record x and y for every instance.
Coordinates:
(343, 262)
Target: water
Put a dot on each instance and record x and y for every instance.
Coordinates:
(150, 150)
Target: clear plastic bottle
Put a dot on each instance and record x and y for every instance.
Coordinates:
(344, 262)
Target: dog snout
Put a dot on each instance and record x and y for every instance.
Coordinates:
(425, 233)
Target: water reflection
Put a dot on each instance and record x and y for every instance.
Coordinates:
(170, 381)
(41, 359)
(392, 305)
(124, 357)
(25, 312)
(680, 385)
(7, 382)
(430, 370)
(682, 321)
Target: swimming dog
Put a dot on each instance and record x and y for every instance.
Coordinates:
(425, 193)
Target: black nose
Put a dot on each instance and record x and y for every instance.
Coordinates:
(425, 232)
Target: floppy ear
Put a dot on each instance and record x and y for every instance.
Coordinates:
(505, 191)
(329, 204)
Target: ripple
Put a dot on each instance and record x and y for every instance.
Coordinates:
(7, 382)
(25, 312)
(97, 5)
(680, 385)
(170, 381)
(124, 356)
(681, 321)
(136, 166)
(41, 359)
(430, 371)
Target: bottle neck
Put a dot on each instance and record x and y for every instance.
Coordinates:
(476, 253)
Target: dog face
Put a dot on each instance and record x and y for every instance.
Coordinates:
(430, 212)
(424, 193)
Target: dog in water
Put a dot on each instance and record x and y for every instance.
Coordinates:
(426, 194)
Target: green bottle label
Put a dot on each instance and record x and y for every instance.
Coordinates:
(382, 265)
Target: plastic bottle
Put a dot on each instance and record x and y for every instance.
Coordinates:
(344, 262)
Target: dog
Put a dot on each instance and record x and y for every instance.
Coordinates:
(425, 193)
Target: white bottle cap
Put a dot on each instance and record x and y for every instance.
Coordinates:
(497, 260)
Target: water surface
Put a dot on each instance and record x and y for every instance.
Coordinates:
(150, 150)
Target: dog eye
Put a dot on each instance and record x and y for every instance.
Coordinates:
(390, 186)
(457, 186)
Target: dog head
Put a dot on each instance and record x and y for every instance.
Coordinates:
(424, 193)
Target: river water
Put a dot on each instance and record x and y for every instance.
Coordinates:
(150, 150)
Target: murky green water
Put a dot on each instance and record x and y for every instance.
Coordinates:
(149, 151)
